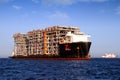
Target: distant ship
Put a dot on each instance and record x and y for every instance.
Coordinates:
(52, 43)
(109, 56)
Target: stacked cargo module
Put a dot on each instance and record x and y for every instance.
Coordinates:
(52, 42)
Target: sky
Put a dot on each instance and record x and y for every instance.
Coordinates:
(99, 18)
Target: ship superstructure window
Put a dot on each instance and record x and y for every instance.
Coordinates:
(68, 38)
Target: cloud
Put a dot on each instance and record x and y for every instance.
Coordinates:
(48, 2)
(93, 0)
(36, 1)
(66, 2)
(16, 7)
(4, 1)
(58, 15)
(117, 10)
(59, 2)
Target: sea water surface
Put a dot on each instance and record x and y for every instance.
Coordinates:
(94, 69)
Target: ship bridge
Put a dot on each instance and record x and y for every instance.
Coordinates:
(78, 37)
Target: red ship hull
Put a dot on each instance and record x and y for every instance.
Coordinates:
(52, 58)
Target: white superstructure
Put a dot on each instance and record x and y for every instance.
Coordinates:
(109, 56)
(79, 37)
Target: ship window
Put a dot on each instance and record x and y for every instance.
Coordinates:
(72, 31)
(68, 38)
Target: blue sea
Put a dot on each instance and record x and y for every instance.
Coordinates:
(94, 69)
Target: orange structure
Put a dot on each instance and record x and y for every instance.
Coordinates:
(45, 42)
(41, 42)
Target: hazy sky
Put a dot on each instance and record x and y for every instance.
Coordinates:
(99, 18)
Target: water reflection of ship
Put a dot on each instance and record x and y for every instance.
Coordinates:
(109, 56)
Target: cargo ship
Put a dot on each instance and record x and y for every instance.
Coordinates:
(52, 43)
